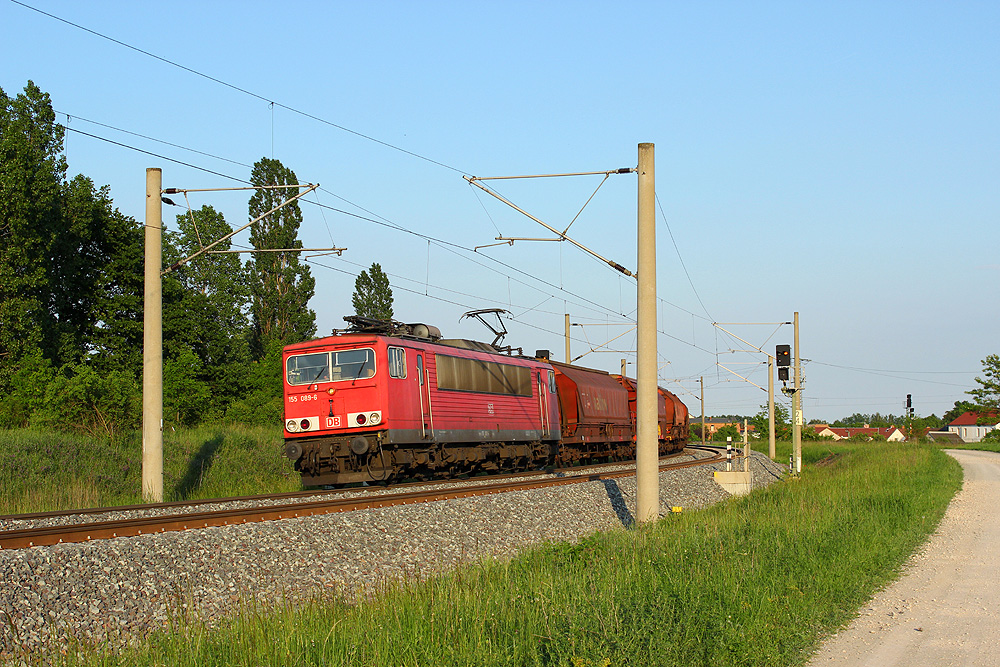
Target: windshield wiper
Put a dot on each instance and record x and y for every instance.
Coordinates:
(321, 371)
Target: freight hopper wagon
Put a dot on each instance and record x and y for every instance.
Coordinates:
(381, 406)
(598, 416)
(672, 418)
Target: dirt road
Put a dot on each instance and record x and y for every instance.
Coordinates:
(946, 608)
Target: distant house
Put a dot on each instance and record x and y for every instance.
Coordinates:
(891, 434)
(713, 424)
(967, 428)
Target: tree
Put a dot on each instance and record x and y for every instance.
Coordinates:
(70, 273)
(694, 430)
(874, 420)
(372, 295)
(221, 278)
(961, 407)
(205, 322)
(280, 286)
(988, 395)
(782, 428)
(32, 171)
(727, 431)
(99, 281)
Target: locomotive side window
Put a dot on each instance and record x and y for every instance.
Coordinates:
(420, 369)
(397, 362)
(335, 366)
(486, 377)
(308, 368)
(552, 382)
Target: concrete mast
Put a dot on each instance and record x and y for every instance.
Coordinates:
(647, 449)
(152, 344)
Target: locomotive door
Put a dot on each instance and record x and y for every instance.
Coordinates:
(424, 391)
(546, 402)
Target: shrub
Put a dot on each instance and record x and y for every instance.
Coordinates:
(27, 393)
(81, 399)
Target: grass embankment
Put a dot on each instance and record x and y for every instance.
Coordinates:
(756, 580)
(990, 446)
(47, 470)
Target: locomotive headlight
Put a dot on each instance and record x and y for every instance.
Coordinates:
(366, 419)
(304, 424)
(291, 426)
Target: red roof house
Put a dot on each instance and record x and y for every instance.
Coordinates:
(968, 428)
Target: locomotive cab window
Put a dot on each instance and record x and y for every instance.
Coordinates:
(337, 366)
(353, 364)
(397, 362)
(308, 368)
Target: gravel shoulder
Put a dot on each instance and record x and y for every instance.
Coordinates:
(945, 610)
(111, 590)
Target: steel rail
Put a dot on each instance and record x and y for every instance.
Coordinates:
(50, 535)
(310, 493)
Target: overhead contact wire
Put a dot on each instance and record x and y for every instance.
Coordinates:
(241, 90)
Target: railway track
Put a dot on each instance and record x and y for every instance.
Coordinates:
(329, 502)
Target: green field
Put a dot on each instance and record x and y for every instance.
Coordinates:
(757, 580)
(49, 470)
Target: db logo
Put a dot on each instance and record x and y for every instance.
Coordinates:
(333, 422)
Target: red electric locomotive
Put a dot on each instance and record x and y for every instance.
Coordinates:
(378, 406)
(386, 401)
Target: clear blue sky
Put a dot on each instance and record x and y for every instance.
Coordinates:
(840, 159)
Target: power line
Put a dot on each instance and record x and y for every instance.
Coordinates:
(156, 155)
(890, 374)
(70, 117)
(663, 216)
(878, 370)
(377, 219)
(243, 90)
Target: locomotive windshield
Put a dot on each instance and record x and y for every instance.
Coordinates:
(334, 366)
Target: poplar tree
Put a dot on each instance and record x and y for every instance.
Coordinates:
(280, 285)
(372, 295)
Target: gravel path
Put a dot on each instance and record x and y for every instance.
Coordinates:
(945, 610)
(107, 589)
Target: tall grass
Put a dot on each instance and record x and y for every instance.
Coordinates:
(48, 470)
(756, 580)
